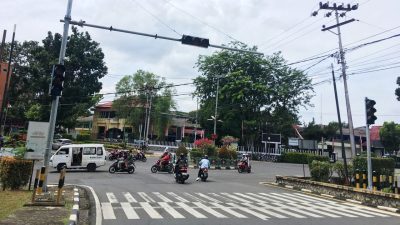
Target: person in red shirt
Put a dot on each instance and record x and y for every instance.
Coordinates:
(165, 158)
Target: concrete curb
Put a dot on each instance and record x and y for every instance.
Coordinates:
(389, 209)
(74, 217)
(213, 168)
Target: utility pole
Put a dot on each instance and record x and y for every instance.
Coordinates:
(4, 103)
(56, 99)
(195, 127)
(336, 8)
(148, 116)
(216, 107)
(346, 173)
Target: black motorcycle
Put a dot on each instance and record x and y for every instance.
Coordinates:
(182, 175)
(119, 166)
(140, 157)
(204, 174)
(158, 168)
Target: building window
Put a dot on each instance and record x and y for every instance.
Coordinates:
(107, 114)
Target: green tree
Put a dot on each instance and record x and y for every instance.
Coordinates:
(390, 136)
(29, 84)
(133, 93)
(252, 89)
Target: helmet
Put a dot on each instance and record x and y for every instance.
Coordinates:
(166, 149)
(206, 156)
(181, 155)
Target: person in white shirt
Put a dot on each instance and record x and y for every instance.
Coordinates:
(204, 163)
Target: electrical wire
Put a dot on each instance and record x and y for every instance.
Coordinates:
(155, 17)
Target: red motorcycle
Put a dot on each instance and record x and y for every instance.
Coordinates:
(244, 167)
(157, 167)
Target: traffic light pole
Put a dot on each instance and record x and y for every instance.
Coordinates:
(56, 99)
(369, 161)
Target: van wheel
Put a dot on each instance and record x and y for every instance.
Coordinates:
(60, 167)
(91, 167)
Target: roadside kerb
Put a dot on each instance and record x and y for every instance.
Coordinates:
(74, 217)
(345, 193)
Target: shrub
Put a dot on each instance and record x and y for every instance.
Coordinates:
(338, 168)
(83, 137)
(196, 153)
(224, 153)
(383, 166)
(14, 173)
(320, 171)
(181, 149)
(232, 151)
(227, 140)
(69, 136)
(301, 158)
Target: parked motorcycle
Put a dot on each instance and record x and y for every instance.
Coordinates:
(204, 174)
(158, 168)
(182, 175)
(243, 167)
(115, 154)
(119, 166)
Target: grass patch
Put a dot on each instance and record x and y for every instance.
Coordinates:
(13, 200)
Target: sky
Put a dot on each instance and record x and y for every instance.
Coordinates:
(275, 25)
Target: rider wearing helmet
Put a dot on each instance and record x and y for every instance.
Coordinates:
(180, 162)
(204, 163)
(165, 158)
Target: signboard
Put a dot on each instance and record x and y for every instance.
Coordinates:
(308, 144)
(271, 138)
(36, 140)
(293, 142)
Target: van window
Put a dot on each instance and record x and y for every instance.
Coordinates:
(63, 151)
(99, 151)
(89, 150)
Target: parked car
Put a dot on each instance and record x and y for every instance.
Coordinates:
(60, 142)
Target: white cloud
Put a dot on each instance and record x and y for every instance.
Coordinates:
(250, 21)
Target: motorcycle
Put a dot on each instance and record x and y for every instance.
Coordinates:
(243, 167)
(182, 175)
(204, 174)
(158, 168)
(140, 157)
(119, 166)
(115, 154)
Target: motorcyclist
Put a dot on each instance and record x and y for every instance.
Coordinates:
(244, 159)
(165, 158)
(204, 163)
(180, 162)
(128, 158)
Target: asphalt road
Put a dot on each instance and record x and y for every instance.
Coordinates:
(226, 198)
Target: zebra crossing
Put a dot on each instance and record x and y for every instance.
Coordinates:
(264, 206)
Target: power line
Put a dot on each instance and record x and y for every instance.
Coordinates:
(154, 16)
(202, 22)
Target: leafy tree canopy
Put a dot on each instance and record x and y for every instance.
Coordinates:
(29, 85)
(253, 90)
(390, 136)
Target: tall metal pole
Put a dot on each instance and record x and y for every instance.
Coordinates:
(55, 101)
(340, 127)
(3, 43)
(148, 118)
(5, 94)
(369, 161)
(216, 107)
(346, 91)
(195, 127)
(145, 118)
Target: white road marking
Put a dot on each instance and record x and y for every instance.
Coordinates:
(209, 210)
(171, 210)
(129, 211)
(191, 210)
(263, 197)
(177, 197)
(208, 198)
(222, 197)
(196, 199)
(111, 197)
(235, 197)
(162, 197)
(278, 209)
(249, 197)
(150, 210)
(313, 198)
(312, 209)
(277, 198)
(228, 210)
(249, 211)
(99, 212)
(299, 200)
(301, 211)
(146, 197)
(108, 212)
(343, 209)
(374, 210)
(129, 197)
(264, 210)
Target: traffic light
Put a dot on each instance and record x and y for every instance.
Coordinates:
(369, 105)
(57, 80)
(196, 41)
